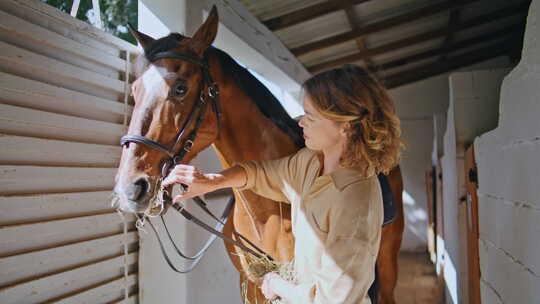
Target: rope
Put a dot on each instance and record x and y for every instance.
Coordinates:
(280, 217)
(126, 91)
(124, 220)
(139, 224)
(251, 216)
(125, 241)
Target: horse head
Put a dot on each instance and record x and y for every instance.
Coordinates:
(175, 101)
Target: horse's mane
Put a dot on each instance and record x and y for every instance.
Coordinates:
(265, 101)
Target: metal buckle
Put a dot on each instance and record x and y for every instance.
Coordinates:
(201, 97)
(213, 90)
(165, 168)
(188, 145)
(177, 159)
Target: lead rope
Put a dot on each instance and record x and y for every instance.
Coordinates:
(280, 217)
(156, 208)
(251, 216)
(125, 236)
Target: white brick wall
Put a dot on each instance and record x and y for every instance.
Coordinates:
(416, 103)
(509, 192)
(472, 110)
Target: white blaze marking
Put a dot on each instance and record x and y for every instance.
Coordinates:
(152, 81)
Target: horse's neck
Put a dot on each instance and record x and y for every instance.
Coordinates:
(245, 136)
(245, 133)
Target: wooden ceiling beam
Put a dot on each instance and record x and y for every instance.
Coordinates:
(441, 32)
(469, 58)
(452, 22)
(424, 12)
(348, 6)
(512, 30)
(306, 14)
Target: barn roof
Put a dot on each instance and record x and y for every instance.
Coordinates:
(402, 41)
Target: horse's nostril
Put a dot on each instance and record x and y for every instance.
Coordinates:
(143, 184)
(137, 190)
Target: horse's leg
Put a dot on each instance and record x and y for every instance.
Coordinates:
(230, 248)
(387, 265)
(249, 291)
(234, 255)
(387, 261)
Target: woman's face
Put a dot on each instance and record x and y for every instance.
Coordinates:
(320, 133)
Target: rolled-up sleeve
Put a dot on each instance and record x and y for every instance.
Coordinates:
(348, 261)
(276, 179)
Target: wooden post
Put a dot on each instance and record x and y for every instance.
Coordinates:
(431, 228)
(75, 8)
(471, 183)
(97, 12)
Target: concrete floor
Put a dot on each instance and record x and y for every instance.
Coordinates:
(417, 280)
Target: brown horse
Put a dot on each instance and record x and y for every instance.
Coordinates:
(252, 126)
(392, 234)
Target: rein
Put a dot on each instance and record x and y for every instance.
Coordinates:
(175, 158)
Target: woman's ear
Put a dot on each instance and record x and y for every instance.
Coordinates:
(343, 128)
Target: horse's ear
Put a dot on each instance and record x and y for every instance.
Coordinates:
(206, 33)
(144, 40)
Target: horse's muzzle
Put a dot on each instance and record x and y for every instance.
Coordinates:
(132, 197)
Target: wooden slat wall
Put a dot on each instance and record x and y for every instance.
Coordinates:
(62, 113)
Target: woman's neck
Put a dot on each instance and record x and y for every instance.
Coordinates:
(331, 159)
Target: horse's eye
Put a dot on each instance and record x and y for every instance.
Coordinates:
(179, 90)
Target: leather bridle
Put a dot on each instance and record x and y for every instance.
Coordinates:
(199, 107)
(175, 158)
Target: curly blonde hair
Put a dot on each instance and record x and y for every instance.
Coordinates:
(351, 95)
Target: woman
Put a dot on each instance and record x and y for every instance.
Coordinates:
(352, 133)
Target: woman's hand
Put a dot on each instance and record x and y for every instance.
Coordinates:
(267, 288)
(197, 182)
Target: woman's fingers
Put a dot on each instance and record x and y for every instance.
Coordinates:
(181, 174)
(266, 286)
(176, 179)
(183, 169)
(186, 195)
(194, 180)
(181, 197)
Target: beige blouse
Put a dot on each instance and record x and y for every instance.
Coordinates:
(336, 221)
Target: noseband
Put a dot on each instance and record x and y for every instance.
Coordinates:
(212, 93)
